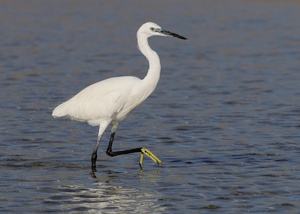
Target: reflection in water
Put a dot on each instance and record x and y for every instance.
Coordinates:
(104, 198)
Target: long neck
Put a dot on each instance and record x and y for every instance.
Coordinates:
(152, 77)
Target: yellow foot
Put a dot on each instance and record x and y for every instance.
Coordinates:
(145, 151)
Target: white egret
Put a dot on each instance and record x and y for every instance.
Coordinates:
(108, 102)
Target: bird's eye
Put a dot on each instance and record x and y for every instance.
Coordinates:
(152, 28)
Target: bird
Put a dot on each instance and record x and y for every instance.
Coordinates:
(108, 102)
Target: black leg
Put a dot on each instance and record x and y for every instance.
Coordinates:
(94, 159)
(109, 151)
(111, 140)
(143, 152)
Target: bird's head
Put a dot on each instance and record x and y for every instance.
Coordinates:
(151, 29)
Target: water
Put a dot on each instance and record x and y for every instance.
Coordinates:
(224, 118)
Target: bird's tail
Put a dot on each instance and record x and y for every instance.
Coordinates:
(60, 111)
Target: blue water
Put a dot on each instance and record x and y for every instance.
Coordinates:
(224, 119)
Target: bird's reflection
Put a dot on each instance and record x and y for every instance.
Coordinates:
(108, 195)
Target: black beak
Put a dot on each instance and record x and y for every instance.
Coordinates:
(168, 33)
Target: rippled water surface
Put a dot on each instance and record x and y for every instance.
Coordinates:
(225, 117)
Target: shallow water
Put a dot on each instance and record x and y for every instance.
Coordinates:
(224, 118)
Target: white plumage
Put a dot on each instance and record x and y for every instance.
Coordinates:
(111, 100)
